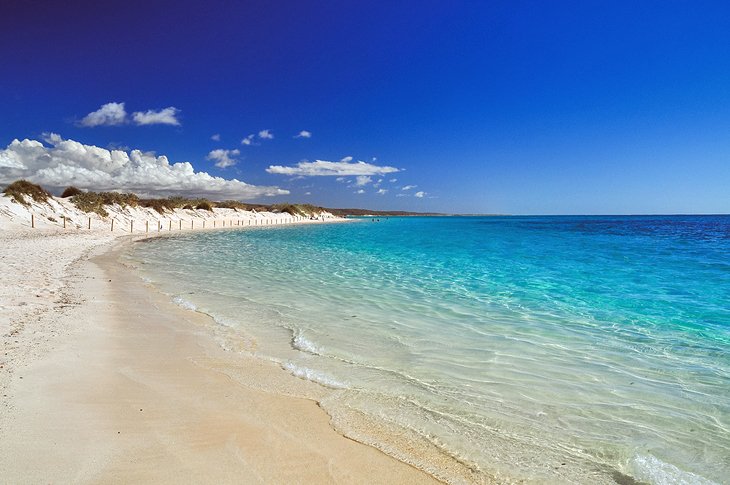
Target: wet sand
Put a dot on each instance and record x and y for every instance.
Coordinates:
(114, 383)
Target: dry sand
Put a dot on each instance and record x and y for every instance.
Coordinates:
(106, 381)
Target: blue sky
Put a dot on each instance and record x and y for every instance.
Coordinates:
(483, 107)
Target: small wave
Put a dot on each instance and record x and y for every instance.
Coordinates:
(314, 376)
(221, 320)
(651, 469)
(299, 342)
(182, 302)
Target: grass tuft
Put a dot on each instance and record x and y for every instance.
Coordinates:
(95, 201)
(289, 208)
(19, 189)
(232, 204)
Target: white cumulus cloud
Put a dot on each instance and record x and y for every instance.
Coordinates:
(166, 116)
(409, 187)
(68, 162)
(248, 140)
(266, 135)
(362, 180)
(223, 158)
(324, 168)
(361, 191)
(346, 159)
(216, 137)
(304, 134)
(420, 195)
(382, 191)
(110, 114)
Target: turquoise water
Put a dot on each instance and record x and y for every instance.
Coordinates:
(557, 349)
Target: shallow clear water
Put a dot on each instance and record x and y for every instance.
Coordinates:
(513, 343)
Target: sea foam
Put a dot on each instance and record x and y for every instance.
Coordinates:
(183, 303)
(305, 345)
(314, 376)
(652, 470)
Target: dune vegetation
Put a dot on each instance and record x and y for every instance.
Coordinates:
(89, 201)
(20, 189)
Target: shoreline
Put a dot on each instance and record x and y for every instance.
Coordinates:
(412, 447)
(125, 394)
(402, 444)
(115, 381)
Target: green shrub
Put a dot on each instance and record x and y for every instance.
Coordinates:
(172, 203)
(21, 188)
(308, 209)
(90, 202)
(160, 205)
(288, 208)
(71, 191)
(122, 199)
(232, 204)
(95, 201)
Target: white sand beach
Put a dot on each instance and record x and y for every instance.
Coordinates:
(105, 381)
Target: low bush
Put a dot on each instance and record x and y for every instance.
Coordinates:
(159, 205)
(95, 201)
(19, 189)
(70, 192)
(90, 202)
(232, 204)
(309, 209)
(289, 208)
(119, 198)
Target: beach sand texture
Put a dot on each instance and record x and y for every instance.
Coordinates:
(105, 381)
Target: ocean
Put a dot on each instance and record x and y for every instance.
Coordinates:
(557, 349)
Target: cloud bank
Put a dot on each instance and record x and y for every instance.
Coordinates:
(68, 162)
(320, 168)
